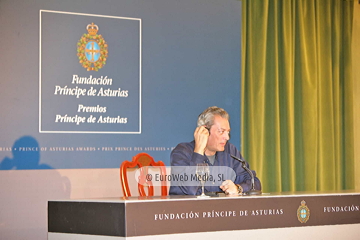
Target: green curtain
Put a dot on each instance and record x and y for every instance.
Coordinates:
(297, 118)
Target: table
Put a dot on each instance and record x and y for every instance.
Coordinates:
(280, 216)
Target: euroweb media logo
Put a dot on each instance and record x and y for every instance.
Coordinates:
(92, 49)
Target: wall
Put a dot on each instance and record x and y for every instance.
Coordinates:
(168, 61)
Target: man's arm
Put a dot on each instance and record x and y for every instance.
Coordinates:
(183, 157)
(188, 155)
(243, 178)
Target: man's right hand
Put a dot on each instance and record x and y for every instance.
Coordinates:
(201, 136)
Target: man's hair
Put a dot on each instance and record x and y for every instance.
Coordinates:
(207, 116)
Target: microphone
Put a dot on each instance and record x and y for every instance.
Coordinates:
(252, 191)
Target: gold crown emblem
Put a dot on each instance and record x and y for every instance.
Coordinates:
(92, 29)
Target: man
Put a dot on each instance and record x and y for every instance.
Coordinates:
(211, 146)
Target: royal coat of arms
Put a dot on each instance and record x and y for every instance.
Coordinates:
(92, 49)
(303, 212)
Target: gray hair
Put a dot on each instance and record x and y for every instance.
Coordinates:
(207, 116)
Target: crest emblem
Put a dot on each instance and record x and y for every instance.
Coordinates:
(303, 212)
(92, 49)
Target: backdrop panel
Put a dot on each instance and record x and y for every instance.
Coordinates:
(72, 98)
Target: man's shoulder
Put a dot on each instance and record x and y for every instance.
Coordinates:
(230, 148)
(185, 145)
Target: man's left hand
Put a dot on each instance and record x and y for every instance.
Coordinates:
(229, 187)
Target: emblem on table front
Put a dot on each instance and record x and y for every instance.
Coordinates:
(303, 212)
(92, 49)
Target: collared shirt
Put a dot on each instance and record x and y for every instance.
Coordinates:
(184, 155)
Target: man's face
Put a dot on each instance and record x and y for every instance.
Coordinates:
(219, 135)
